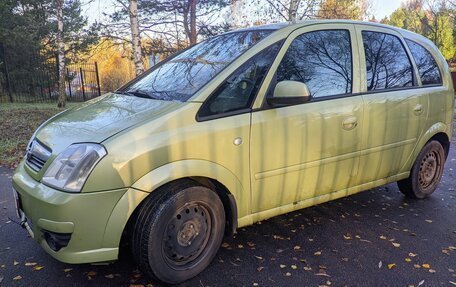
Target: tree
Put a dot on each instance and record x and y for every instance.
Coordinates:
(430, 18)
(287, 10)
(181, 22)
(135, 38)
(343, 9)
(28, 35)
(61, 54)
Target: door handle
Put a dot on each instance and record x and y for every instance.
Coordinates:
(349, 123)
(418, 109)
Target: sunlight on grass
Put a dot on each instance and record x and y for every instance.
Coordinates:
(18, 122)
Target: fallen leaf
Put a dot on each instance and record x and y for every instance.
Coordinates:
(380, 264)
(258, 257)
(225, 245)
(18, 277)
(15, 263)
(408, 260)
(297, 247)
(260, 268)
(428, 221)
(240, 246)
(420, 283)
(382, 237)
(425, 265)
(412, 254)
(431, 271)
(37, 268)
(307, 268)
(255, 284)
(282, 266)
(288, 274)
(30, 263)
(347, 237)
(318, 253)
(395, 244)
(67, 270)
(92, 273)
(391, 266)
(294, 267)
(416, 266)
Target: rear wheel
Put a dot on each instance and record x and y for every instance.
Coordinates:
(426, 172)
(178, 233)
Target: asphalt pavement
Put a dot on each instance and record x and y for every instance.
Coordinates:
(374, 238)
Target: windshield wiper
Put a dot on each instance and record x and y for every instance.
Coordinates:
(139, 94)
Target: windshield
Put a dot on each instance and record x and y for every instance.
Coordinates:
(182, 76)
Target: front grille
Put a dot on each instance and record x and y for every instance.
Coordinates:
(37, 155)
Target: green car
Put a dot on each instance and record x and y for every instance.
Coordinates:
(241, 127)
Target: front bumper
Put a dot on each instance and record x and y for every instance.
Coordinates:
(88, 218)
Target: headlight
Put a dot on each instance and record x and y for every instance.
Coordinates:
(70, 169)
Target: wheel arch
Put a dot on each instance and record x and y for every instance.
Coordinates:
(438, 131)
(209, 174)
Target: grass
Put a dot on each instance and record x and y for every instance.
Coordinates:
(17, 124)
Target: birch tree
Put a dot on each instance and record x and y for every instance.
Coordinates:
(61, 54)
(135, 37)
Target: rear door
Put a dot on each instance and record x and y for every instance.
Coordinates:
(304, 151)
(395, 106)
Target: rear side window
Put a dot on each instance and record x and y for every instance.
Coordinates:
(387, 63)
(322, 60)
(427, 67)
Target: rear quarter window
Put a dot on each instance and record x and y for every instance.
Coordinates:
(426, 64)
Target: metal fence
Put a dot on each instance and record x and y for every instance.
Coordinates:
(36, 80)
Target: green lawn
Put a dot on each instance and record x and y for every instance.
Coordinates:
(17, 124)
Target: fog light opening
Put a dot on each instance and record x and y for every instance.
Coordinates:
(56, 241)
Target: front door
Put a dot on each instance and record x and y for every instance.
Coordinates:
(308, 150)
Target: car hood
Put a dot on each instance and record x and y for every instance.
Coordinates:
(99, 119)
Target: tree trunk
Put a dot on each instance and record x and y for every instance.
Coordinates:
(135, 40)
(292, 11)
(193, 34)
(61, 54)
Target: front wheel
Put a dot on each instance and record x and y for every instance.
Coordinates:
(178, 233)
(426, 172)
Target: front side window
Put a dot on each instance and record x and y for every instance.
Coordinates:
(239, 90)
(322, 60)
(427, 67)
(387, 63)
(181, 77)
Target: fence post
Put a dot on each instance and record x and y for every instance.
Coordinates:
(69, 81)
(82, 84)
(98, 79)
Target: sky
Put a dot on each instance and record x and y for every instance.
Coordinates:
(94, 8)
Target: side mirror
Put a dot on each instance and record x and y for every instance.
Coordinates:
(289, 93)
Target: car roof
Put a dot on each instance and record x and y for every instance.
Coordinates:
(288, 27)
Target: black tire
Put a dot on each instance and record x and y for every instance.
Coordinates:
(178, 231)
(426, 172)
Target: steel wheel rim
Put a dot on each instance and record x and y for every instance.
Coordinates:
(429, 169)
(186, 235)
